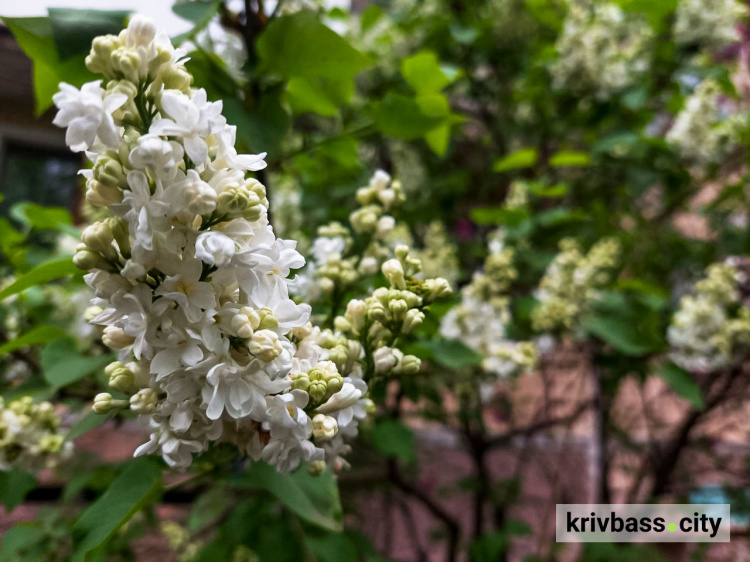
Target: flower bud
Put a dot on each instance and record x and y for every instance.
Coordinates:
(109, 171)
(116, 338)
(102, 403)
(410, 365)
(100, 195)
(119, 228)
(317, 390)
(385, 359)
(413, 319)
(87, 260)
(169, 76)
(437, 288)
(265, 345)
(126, 62)
(98, 238)
(398, 308)
(324, 427)
(238, 201)
(98, 60)
(316, 468)
(91, 312)
(120, 377)
(365, 219)
(394, 272)
(368, 265)
(144, 401)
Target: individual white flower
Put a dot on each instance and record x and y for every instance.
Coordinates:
(190, 119)
(324, 427)
(87, 113)
(157, 154)
(214, 248)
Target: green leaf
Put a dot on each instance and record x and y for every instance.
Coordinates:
(300, 45)
(41, 218)
(549, 191)
(401, 117)
(370, 16)
(304, 97)
(654, 11)
(393, 439)
(88, 422)
(569, 158)
(451, 353)
(620, 332)
(20, 540)
(132, 490)
(261, 129)
(14, 485)
(438, 139)
(200, 12)
(36, 37)
(682, 382)
(290, 490)
(208, 508)
(423, 73)
(561, 215)
(63, 364)
(74, 30)
(35, 336)
(498, 215)
(40, 275)
(524, 158)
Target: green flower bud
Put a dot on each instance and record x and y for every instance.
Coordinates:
(102, 403)
(100, 195)
(119, 228)
(87, 260)
(98, 238)
(317, 390)
(99, 60)
(126, 62)
(144, 401)
(316, 468)
(410, 365)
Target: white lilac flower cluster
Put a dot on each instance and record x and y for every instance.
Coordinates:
(572, 282)
(705, 131)
(712, 23)
(480, 320)
(29, 437)
(711, 329)
(190, 280)
(335, 263)
(601, 49)
(439, 255)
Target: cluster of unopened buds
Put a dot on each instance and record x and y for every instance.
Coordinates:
(29, 436)
(572, 282)
(480, 320)
(390, 312)
(337, 262)
(711, 329)
(191, 284)
(602, 49)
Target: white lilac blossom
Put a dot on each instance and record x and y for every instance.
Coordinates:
(601, 50)
(705, 131)
(480, 320)
(333, 266)
(712, 23)
(29, 437)
(572, 282)
(711, 329)
(190, 281)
